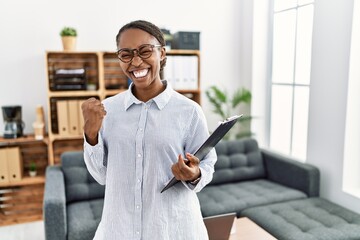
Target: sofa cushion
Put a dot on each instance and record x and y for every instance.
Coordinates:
(307, 219)
(238, 160)
(79, 184)
(83, 219)
(235, 197)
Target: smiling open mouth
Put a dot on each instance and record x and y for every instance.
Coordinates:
(140, 73)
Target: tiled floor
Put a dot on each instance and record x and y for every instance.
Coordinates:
(24, 231)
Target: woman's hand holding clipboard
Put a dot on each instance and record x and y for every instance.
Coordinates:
(212, 140)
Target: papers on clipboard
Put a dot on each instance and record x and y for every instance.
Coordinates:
(212, 140)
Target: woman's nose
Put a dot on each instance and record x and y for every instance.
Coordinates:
(136, 60)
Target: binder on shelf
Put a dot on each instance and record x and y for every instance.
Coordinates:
(178, 72)
(4, 174)
(73, 113)
(193, 73)
(209, 144)
(185, 72)
(168, 70)
(14, 163)
(81, 118)
(62, 116)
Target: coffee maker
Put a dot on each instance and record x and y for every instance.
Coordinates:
(12, 121)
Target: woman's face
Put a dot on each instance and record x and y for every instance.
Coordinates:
(143, 72)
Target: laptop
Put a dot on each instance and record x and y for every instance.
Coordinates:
(219, 226)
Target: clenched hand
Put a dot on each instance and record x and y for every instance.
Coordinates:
(93, 112)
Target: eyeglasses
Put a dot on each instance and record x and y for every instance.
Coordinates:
(126, 55)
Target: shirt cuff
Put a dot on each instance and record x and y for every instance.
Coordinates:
(93, 149)
(193, 184)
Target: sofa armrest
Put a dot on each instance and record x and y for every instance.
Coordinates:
(291, 173)
(55, 204)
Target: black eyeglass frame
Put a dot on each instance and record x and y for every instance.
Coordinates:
(132, 51)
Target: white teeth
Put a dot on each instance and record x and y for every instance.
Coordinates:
(140, 73)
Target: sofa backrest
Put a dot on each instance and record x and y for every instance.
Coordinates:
(238, 160)
(79, 184)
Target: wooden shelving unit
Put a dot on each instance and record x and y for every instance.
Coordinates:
(25, 181)
(103, 72)
(21, 201)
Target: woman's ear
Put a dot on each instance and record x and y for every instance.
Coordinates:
(163, 53)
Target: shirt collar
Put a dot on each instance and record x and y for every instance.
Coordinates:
(161, 100)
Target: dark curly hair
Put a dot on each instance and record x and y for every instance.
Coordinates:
(149, 28)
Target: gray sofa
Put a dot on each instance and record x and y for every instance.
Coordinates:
(73, 200)
(247, 176)
(248, 180)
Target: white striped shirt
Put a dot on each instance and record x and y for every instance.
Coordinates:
(137, 145)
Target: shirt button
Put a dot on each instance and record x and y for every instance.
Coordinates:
(139, 155)
(137, 206)
(141, 129)
(139, 180)
(137, 232)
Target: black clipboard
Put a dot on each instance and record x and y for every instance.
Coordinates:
(210, 142)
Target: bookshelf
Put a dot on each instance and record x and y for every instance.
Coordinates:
(104, 78)
(21, 198)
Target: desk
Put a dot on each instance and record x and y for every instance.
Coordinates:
(245, 229)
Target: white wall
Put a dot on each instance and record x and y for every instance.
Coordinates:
(328, 95)
(29, 28)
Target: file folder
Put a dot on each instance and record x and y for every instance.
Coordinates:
(4, 172)
(62, 115)
(73, 114)
(81, 117)
(209, 144)
(14, 162)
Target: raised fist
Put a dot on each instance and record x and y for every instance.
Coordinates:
(93, 112)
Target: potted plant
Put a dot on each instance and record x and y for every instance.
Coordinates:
(32, 169)
(225, 106)
(68, 37)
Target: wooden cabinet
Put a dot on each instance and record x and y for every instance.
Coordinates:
(21, 195)
(74, 77)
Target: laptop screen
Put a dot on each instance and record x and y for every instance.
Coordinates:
(219, 226)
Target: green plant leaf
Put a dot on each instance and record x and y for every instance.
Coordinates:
(32, 166)
(220, 95)
(241, 95)
(68, 31)
(225, 106)
(215, 101)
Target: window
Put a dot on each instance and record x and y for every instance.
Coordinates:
(290, 76)
(351, 174)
